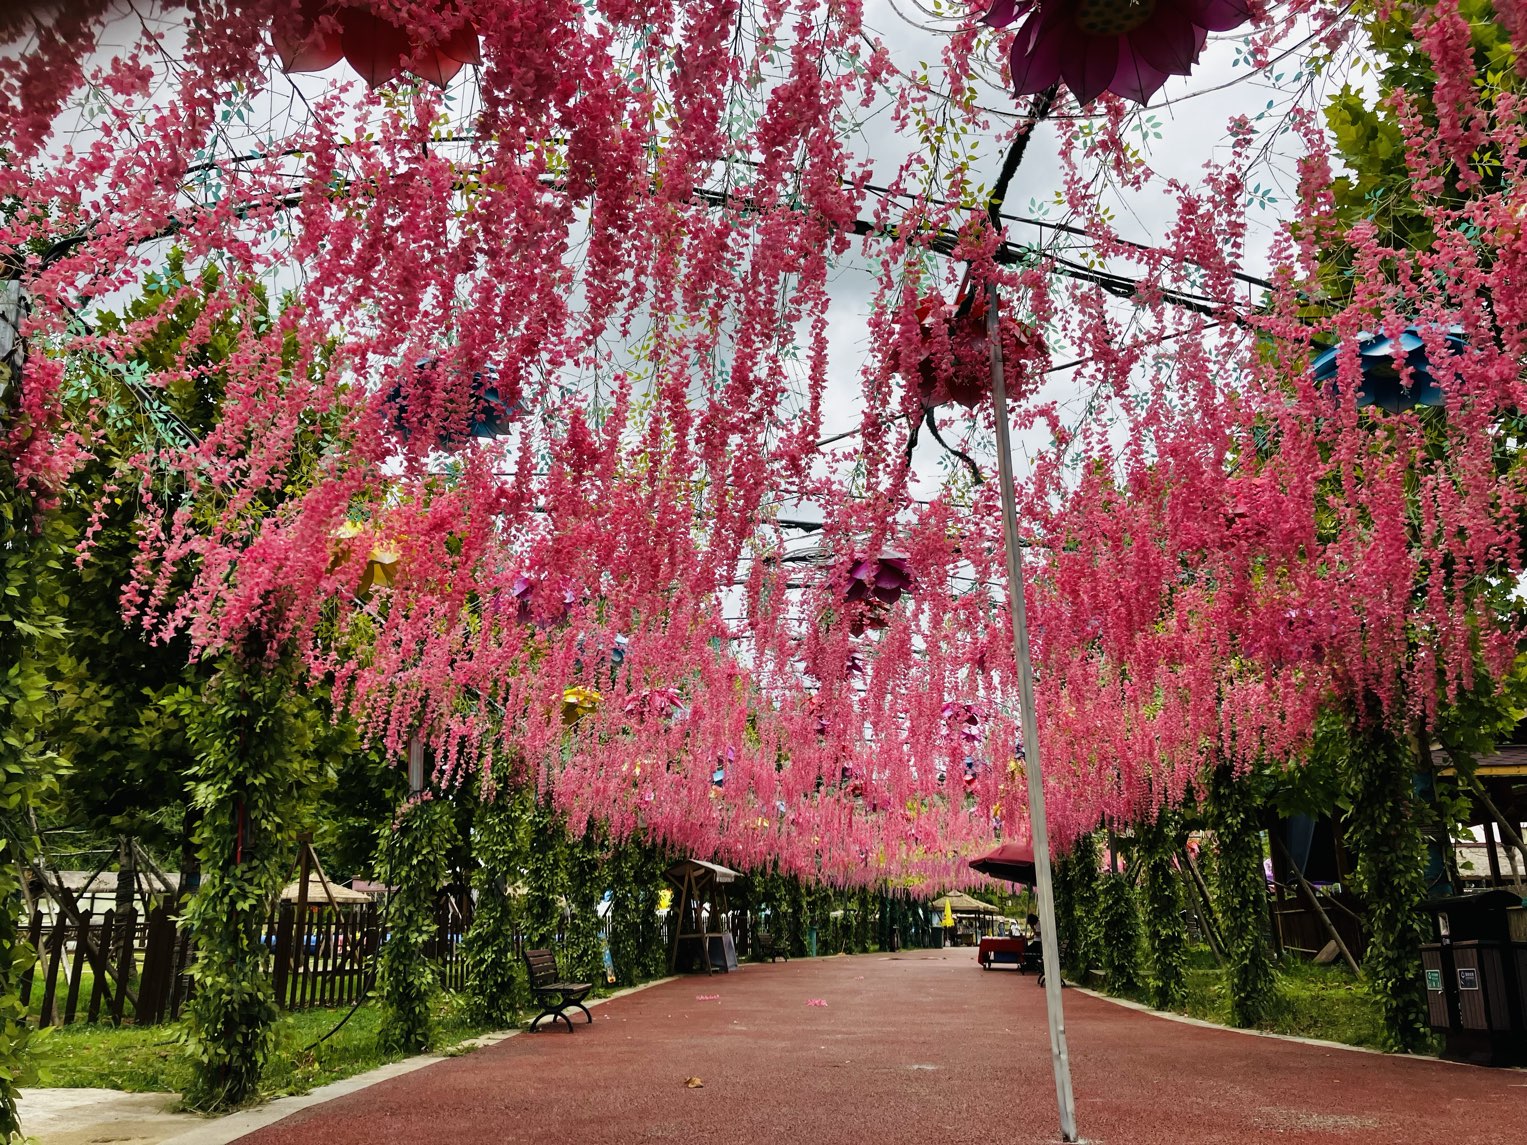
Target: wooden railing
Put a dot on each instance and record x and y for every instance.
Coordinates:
(118, 968)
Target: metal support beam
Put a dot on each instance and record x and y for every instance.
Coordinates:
(1039, 829)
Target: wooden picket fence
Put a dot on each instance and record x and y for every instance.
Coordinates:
(120, 968)
(107, 967)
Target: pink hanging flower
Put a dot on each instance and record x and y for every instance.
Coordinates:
(1128, 47)
(954, 358)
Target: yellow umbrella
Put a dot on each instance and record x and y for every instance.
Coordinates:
(948, 913)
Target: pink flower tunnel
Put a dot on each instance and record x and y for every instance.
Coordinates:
(1128, 47)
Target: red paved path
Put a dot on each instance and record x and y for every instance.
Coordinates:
(922, 1048)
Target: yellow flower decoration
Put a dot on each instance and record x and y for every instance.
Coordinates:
(578, 702)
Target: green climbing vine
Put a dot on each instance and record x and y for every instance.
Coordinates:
(1120, 926)
(1166, 937)
(1077, 927)
(412, 860)
(253, 737)
(496, 986)
(546, 877)
(636, 876)
(29, 544)
(1385, 828)
(582, 950)
(1233, 804)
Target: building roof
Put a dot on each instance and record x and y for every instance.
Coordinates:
(961, 903)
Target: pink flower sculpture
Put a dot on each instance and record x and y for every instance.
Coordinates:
(874, 585)
(965, 717)
(1128, 47)
(882, 579)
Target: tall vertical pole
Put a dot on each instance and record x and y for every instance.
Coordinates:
(1039, 829)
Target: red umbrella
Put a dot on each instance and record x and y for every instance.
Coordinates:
(1011, 861)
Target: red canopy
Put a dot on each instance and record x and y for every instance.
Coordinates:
(1011, 861)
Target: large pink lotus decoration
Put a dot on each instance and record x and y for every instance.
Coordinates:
(874, 585)
(1128, 47)
(322, 32)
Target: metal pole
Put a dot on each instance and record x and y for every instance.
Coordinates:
(1039, 830)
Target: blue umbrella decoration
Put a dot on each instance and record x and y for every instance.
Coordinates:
(1378, 357)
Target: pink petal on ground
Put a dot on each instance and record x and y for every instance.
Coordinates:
(816, 1001)
(1218, 15)
(707, 997)
(1168, 43)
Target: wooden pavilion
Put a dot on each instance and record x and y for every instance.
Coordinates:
(698, 921)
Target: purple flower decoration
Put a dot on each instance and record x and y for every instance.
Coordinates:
(524, 590)
(966, 717)
(1128, 47)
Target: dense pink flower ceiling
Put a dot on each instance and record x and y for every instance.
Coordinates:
(625, 224)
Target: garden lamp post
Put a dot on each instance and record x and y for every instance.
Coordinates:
(1039, 830)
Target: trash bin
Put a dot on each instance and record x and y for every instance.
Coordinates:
(1476, 984)
(811, 942)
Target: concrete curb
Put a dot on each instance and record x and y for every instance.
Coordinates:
(232, 1126)
(1317, 1043)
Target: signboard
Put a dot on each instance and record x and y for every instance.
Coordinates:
(1434, 980)
(1468, 979)
(723, 952)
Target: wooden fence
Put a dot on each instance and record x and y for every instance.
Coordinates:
(119, 968)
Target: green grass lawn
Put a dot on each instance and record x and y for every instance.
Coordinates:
(1313, 1002)
(1324, 1002)
(151, 1059)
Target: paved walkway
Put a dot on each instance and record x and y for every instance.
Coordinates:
(921, 1048)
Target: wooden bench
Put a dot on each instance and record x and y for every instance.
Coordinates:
(765, 945)
(552, 994)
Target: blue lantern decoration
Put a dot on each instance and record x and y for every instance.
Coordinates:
(1382, 384)
(491, 415)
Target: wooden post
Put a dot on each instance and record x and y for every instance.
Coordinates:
(1206, 914)
(1492, 853)
(1309, 893)
(299, 946)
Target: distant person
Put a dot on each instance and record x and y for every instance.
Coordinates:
(1033, 921)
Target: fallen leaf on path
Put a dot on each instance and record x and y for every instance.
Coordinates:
(693, 1083)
